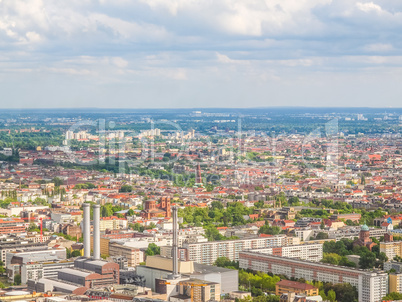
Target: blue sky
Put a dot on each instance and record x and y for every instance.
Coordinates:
(200, 53)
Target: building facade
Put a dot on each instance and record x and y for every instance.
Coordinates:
(208, 252)
(134, 256)
(371, 285)
(395, 283)
(287, 286)
(391, 249)
(311, 252)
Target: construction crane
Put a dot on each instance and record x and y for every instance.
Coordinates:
(41, 224)
(191, 285)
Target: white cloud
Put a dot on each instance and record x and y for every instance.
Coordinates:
(204, 42)
(379, 47)
(369, 7)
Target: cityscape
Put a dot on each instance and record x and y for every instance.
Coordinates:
(201, 205)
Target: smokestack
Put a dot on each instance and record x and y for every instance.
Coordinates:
(175, 272)
(96, 232)
(87, 230)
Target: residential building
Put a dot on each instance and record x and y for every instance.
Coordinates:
(391, 249)
(208, 252)
(395, 283)
(397, 266)
(44, 269)
(12, 226)
(287, 286)
(199, 290)
(134, 255)
(371, 285)
(311, 252)
(9, 245)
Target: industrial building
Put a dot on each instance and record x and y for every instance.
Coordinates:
(182, 280)
(12, 244)
(27, 263)
(87, 271)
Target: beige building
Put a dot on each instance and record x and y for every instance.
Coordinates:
(391, 249)
(395, 283)
(109, 223)
(166, 264)
(134, 256)
(104, 245)
(199, 290)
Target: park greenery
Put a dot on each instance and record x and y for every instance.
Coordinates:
(216, 215)
(336, 252)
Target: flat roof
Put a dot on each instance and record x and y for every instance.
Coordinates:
(75, 272)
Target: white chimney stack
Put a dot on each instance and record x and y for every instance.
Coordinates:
(96, 232)
(175, 255)
(87, 230)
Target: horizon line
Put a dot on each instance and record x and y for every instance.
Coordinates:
(195, 108)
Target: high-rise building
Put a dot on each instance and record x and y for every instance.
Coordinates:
(395, 283)
(391, 249)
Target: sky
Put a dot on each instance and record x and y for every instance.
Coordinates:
(200, 53)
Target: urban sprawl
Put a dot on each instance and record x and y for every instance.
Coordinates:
(201, 205)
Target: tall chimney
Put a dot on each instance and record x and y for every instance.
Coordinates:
(175, 272)
(96, 232)
(87, 230)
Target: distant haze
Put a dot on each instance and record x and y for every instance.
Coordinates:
(188, 54)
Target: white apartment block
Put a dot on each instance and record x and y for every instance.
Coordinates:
(38, 270)
(311, 252)
(371, 285)
(208, 252)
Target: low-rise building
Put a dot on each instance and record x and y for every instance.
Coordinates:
(287, 286)
(134, 255)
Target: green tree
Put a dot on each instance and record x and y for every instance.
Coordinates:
(126, 188)
(266, 229)
(331, 295)
(17, 279)
(209, 187)
(57, 181)
(152, 250)
(321, 235)
(137, 227)
(75, 253)
(345, 292)
(393, 296)
(226, 262)
(33, 227)
(106, 210)
(367, 260)
(331, 258)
